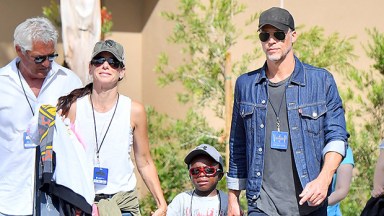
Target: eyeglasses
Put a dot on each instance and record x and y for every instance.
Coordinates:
(97, 61)
(279, 35)
(209, 171)
(41, 59)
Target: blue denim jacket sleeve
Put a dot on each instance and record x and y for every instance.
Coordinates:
(334, 122)
(236, 179)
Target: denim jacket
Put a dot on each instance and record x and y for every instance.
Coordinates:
(315, 118)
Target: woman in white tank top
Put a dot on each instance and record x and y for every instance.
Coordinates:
(108, 125)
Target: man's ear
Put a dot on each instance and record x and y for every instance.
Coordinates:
(19, 51)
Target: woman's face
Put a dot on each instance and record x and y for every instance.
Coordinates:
(105, 68)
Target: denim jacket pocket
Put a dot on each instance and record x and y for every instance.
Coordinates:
(312, 117)
(312, 122)
(246, 110)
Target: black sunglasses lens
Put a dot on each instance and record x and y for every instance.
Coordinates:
(279, 35)
(263, 36)
(194, 171)
(98, 61)
(111, 61)
(40, 59)
(209, 170)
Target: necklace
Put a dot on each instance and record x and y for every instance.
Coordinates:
(22, 86)
(94, 123)
(218, 194)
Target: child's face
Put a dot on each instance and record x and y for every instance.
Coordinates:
(203, 183)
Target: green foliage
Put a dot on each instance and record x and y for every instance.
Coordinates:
(206, 33)
(365, 154)
(52, 12)
(357, 77)
(171, 140)
(365, 142)
(375, 49)
(377, 94)
(331, 52)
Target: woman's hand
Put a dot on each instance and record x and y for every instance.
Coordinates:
(160, 212)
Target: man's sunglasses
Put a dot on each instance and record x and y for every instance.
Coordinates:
(41, 59)
(209, 171)
(279, 35)
(97, 61)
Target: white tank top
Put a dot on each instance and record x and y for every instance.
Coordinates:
(115, 151)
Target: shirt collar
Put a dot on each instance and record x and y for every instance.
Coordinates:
(298, 75)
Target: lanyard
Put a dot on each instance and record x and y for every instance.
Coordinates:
(22, 86)
(94, 122)
(277, 114)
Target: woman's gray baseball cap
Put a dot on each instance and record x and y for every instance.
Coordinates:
(111, 46)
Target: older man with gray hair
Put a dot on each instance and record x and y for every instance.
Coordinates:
(29, 80)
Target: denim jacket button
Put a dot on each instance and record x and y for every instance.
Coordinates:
(258, 173)
(263, 101)
(262, 126)
(260, 149)
(314, 114)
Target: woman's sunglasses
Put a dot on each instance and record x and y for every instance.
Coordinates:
(279, 35)
(97, 61)
(209, 171)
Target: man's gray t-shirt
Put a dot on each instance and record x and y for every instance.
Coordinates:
(281, 185)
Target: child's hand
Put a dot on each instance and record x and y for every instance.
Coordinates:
(377, 191)
(159, 212)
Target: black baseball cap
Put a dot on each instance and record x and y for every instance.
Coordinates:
(277, 17)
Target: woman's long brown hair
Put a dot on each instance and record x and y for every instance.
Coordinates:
(65, 102)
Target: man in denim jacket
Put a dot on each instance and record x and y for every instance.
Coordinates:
(288, 132)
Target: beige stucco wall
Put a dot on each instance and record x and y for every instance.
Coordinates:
(143, 32)
(349, 18)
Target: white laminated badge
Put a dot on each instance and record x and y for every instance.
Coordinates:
(28, 143)
(100, 175)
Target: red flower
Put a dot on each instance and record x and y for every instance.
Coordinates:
(106, 20)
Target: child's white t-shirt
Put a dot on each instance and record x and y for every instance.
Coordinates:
(201, 206)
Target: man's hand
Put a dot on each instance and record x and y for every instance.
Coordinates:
(315, 192)
(234, 203)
